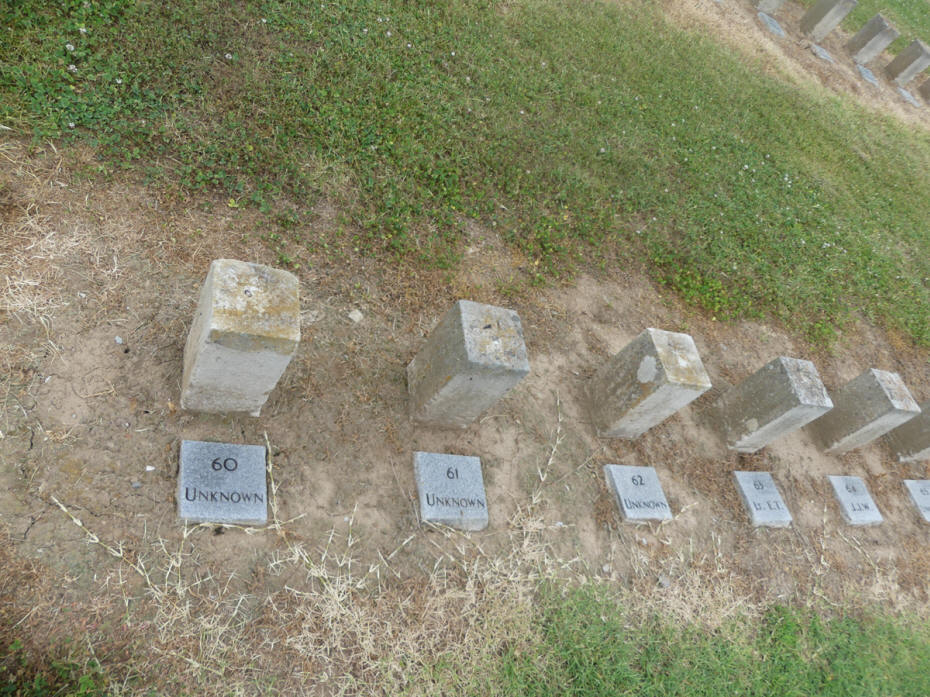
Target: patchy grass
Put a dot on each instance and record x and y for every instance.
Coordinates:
(588, 135)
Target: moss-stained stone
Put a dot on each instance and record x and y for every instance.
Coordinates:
(245, 332)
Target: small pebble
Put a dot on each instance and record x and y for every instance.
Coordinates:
(356, 316)
(664, 581)
(149, 468)
(136, 485)
(119, 340)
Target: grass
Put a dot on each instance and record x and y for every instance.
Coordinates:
(588, 645)
(588, 135)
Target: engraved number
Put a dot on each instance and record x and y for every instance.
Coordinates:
(925, 491)
(452, 473)
(229, 464)
(637, 480)
(758, 484)
(851, 488)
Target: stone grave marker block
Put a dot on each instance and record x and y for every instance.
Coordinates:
(451, 490)
(651, 378)
(855, 501)
(472, 358)
(244, 334)
(638, 492)
(222, 483)
(909, 63)
(911, 442)
(772, 25)
(825, 16)
(919, 489)
(782, 396)
(872, 39)
(865, 408)
(924, 90)
(762, 499)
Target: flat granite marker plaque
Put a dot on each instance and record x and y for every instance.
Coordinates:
(762, 499)
(909, 98)
(451, 490)
(222, 483)
(822, 53)
(856, 503)
(772, 25)
(638, 492)
(868, 75)
(919, 490)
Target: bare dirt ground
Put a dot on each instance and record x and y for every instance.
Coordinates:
(346, 588)
(91, 431)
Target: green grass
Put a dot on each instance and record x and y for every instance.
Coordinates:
(19, 677)
(589, 645)
(587, 134)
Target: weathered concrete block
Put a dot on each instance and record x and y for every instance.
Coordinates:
(783, 396)
(767, 5)
(762, 499)
(638, 492)
(872, 39)
(825, 16)
(657, 374)
(864, 409)
(473, 357)
(909, 63)
(924, 90)
(911, 442)
(451, 490)
(856, 504)
(222, 483)
(244, 334)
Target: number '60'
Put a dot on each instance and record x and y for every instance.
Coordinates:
(229, 464)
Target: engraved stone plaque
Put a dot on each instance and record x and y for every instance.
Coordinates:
(919, 490)
(855, 501)
(638, 492)
(762, 499)
(451, 489)
(222, 483)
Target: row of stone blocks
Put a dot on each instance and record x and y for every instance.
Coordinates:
(877, 34)
(247, 328)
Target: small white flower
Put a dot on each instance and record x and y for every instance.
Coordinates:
(83, 30)
(70, 124)
(453, 53)
(119, 81)
(388, 34)
(522, 112)
(602, 150)
(69, 47)
(745, 166)
(264, 21)
(72, 68)
(228, 56)
(365, 31)
(409, 46)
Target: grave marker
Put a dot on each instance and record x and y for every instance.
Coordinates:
(222, 483)
(909, 63)
(868, 75)
(909, 98)
(473, 357)
(781, 397)
(244, 334)
(872, 39)
(919, 490)
(911, 442)
(653, 377)
(825, 16)
(822, 53)
(451, 490)
(638, 492)
(856, 503)
(864, 409)
(924, 90)
(762, 499)
(772, 25)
